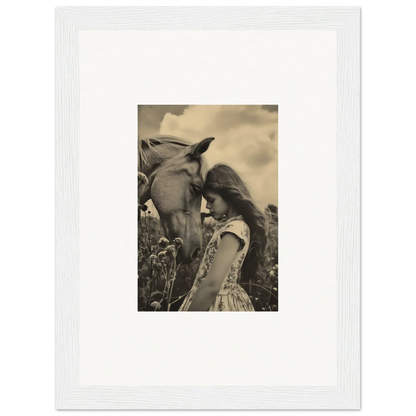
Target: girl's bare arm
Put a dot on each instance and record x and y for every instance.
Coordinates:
(211, 285)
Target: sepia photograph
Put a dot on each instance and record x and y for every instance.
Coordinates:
(208, 208)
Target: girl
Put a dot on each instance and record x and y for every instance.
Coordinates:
(236, 249)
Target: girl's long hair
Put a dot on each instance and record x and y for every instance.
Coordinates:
(225, 181)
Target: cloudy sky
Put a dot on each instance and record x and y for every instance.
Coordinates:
(245, 138)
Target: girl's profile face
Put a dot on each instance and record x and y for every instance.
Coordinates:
(216, 205)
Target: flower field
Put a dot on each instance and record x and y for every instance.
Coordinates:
(163, 283)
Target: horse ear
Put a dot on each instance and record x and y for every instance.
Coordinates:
(197, 149)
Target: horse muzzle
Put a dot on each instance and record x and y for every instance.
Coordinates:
(188, 259)
(179, 225)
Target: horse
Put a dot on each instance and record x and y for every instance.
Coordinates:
(175, 171)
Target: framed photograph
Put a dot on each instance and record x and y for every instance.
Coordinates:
(235, 174)
(207, 160)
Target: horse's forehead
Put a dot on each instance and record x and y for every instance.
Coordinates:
(193, 167)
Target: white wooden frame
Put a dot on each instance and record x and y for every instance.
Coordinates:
(346, 395)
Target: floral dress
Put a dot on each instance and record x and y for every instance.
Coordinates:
(231, 297)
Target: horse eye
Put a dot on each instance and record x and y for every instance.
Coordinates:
(196, 190)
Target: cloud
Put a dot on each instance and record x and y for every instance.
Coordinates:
(150, 117)
(245, 138)
(271, 108)
(259, 154)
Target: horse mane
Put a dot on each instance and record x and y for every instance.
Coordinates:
(165, 141)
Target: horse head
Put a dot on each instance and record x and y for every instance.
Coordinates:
(175, 187)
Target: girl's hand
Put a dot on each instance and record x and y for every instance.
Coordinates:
(211, 285)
